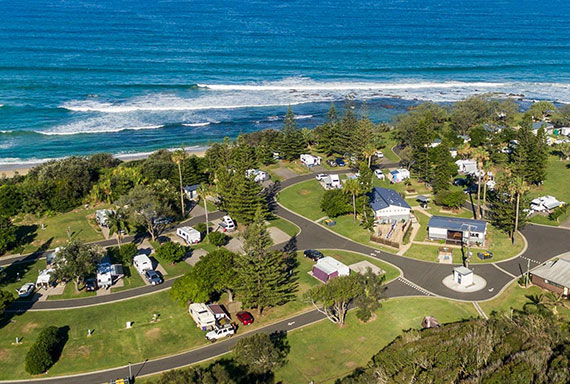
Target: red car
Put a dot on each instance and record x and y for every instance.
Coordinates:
(245, 317)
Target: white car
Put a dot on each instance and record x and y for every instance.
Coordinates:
(219, 333)
(379, 174)
(379, 154)
(320, 176)
(26, 290)
(227, 224)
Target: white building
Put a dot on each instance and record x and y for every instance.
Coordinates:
(463, 276)
(191, 191)
(457, 230)
(202, 315)
(189, 234)
(564, 131)
(388, 205)
(102, 216)
(467, 167)
(310, 160)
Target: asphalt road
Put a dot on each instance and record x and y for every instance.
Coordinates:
(419, 278)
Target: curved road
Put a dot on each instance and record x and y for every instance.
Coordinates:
(419, 278)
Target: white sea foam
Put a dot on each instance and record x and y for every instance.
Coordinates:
(293, 91)
(65, 131)
(196, 124)
(303, 117)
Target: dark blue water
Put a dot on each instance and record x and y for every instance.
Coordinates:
(78, 77)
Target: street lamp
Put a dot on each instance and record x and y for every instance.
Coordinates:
(130, 372)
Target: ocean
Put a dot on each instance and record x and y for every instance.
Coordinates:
(85, 76)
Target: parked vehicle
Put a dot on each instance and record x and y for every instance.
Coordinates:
(189, 235)
(91, 285)
(313, 254)
(227, 224)
(244, 317)
(330, 222)
(485, 255)
(340, 162)
(219, 333)
(320, 176)
(379, 174)
(26, 290)
(331, 163)
(142, 263)
(153, 277)
(379, 154)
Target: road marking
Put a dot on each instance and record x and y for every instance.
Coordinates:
(532, 260)
(480, 310)
(291, 323)
(504, 271)
(414, 286)
(373, 254)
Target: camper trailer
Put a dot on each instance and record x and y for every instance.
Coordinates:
(142, 263)
(189, 234)
(202, 315)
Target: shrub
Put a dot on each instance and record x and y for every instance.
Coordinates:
(201, 227)
(124, 254)
(453, 198)
(218, 238)
(44, 352)
(171, 251)
(335, 203)
(557, 212)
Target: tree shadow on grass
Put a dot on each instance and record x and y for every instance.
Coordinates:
(26, 234)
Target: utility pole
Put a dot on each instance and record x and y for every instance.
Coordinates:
(527, 273)
(130, 373)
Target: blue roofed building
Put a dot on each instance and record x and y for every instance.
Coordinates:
(457, 230)
(191, 191)
(388, 205)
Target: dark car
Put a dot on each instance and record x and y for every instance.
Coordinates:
(245, 317)
(340, 162)
(485, 255)
(313, 254)
(459, 182)
(91, 285)
(153, 277)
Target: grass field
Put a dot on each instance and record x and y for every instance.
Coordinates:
(324, 352)
(418, 187)
(515, 297)
(56, 229)
(284, 225)
(304, 198)
(557, 184)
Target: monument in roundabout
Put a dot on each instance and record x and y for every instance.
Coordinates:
(464, 280)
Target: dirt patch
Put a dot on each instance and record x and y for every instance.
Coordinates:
(305, 192)
(82, 351)
(3, 354)
(351, 364)
(346, 350)
(29, 327)
(361, 339)
(153, 334)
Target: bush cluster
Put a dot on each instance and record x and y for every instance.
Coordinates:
(44, 352)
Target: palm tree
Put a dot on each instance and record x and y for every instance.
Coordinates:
(480, 155)
(178, 157)
(553, 300)
(368, 151)
(118, 224)
(203, 192)
(519, 187)
(486, 179)
(535, 303)
(352, 186)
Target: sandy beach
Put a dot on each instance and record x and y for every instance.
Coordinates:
(9, 170)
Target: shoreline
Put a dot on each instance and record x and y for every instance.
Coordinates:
(10, 170)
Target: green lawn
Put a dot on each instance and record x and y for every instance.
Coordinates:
(132, 279)
(80, 222)
(515, 297)
(557, 184)
(419, 188)
(211, 206)
(284, 225)
(294, 166)
(304, 198)
(111, 344)
(498, 243)
(423, 220)
(323, 352)
(387, 150)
